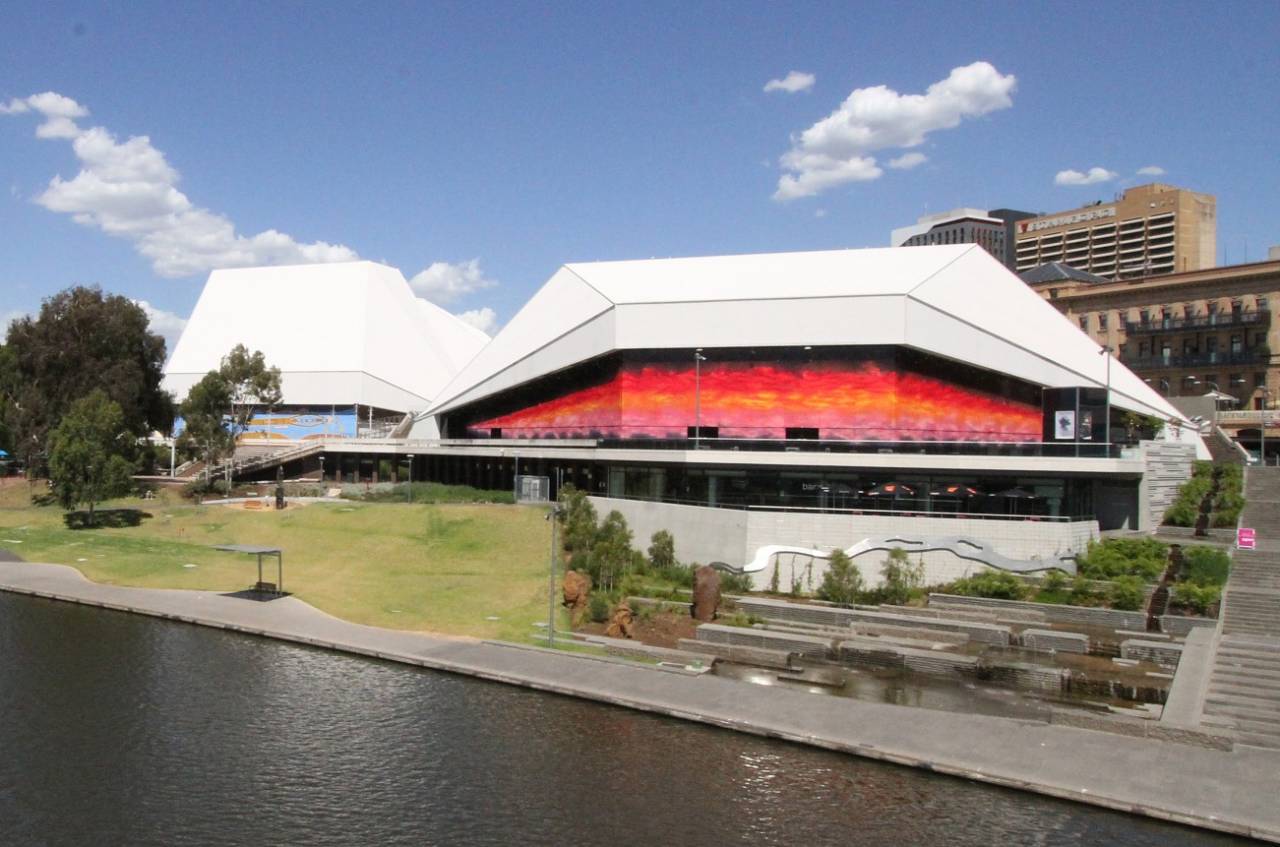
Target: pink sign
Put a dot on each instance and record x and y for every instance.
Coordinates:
(1246, 538)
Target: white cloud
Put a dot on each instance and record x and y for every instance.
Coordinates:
(836, 149)
(165, 324)
(1151, 170)
(1095, 175)
(129, 190)
(443, 283)
(483, 319)
(907, 161)
(792, 83)
(819, 213)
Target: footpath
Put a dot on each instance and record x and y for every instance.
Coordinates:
(1229, 791)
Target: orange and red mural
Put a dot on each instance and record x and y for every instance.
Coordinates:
(858, 401)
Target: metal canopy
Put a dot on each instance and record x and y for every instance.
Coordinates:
(255, 550)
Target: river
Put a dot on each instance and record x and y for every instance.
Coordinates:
(124, 730)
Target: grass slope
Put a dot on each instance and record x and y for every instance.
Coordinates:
(438, 568)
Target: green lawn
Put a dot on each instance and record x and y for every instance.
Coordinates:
(437, 568)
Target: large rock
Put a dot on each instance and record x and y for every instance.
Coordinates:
(706, 593)
(575, 589)
(622, 623)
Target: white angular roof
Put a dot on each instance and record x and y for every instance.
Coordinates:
(954, 301)
(341, 333)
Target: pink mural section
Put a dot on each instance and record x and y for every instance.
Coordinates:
(861, 402)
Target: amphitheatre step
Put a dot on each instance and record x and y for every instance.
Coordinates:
(1263, 728)
(1238, 713)
(1226, 700)
(1246, 677)
(1271, 742)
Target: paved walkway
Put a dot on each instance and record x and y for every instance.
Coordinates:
(1229, 791)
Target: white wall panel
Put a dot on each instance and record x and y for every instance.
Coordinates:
(765, 323)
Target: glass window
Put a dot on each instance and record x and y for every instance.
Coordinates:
(1084, 322)
(1102, 320)
(1259, 379)
(1237, 343)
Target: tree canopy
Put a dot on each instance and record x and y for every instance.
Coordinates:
(220, 406)
(81, 340)
(87, 449)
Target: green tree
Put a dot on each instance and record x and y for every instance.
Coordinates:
(611, 551)
(204, 419)
(662, 550)
(81, 340)
(900, 577)
(842, 583)
(87, 461)
(220, 406)
(578, 517)
(253, 386)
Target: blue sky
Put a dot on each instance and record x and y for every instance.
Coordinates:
(491, 143)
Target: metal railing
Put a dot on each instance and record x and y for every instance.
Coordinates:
(1204, 321)
(1256, 355)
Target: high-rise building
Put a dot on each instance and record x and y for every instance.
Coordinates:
(992, 230)
(1149, 230)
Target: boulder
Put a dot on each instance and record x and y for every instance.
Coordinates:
(574, 590)
(622, 624)
(706, 593)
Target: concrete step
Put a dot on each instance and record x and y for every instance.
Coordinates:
(1255, 701)
(1265, 729)
(1270, 742)
(1243, 676)
(1261, 717)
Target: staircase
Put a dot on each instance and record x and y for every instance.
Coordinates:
(1244, 686)
(241, 464)
(1224, 449)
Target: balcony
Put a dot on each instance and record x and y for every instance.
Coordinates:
(1255, 356)
(1222, 320)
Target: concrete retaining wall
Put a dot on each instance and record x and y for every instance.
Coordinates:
(1178, 625)
(986, 633)
(1081, 615)
(1168, 467)
(704, 534)
(1163, 653)
(1052, 640)
(804, 645)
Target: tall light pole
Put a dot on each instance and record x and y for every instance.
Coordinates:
(698, 359)
(1262, 428)
(1106, 351)
(408, 496)
(554, 517)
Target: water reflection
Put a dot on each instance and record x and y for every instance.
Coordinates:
(126, 730)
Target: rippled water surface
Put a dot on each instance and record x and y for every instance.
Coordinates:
(117, 729)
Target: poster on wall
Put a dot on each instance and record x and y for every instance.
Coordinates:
(1086, 426)
(1064, 425)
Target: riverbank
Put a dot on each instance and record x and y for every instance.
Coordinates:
(1230, 792)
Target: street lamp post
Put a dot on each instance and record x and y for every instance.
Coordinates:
(1262, 427)
(698, 359)
(408, 496)
(1106, 351)
(554, 517)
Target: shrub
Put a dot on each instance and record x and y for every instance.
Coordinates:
(1186, 507)
(424, 492)
(578, 517)
(611, 552)
(1141, 557)
(1197, 598)
(1126, 593)
(842, 583)
(735, 583)
(1083, 592)
(598, 608)
(900, 577)
(997, 585)
(1205, 566)
(662, 550)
